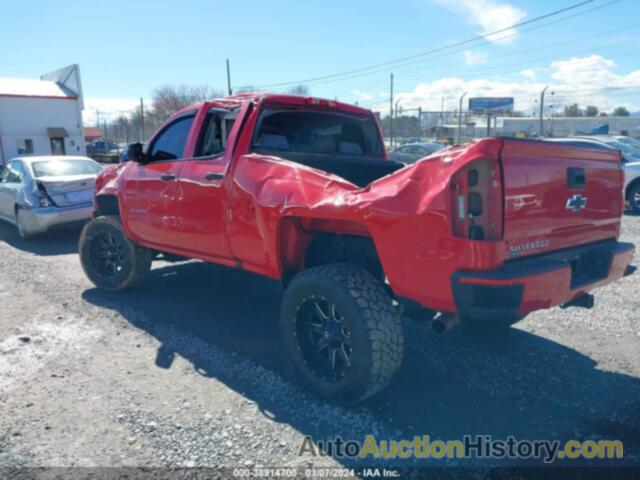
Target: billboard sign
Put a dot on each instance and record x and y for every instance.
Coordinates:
(491, 104)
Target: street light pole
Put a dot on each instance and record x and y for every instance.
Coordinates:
(460, 118)
(229, 78)
(391, 113)
(541, 129)
(396, 112)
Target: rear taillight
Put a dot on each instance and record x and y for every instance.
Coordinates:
(476, 200)
(44, 200)
(320, 102)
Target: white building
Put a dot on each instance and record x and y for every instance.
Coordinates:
(567, 126)
(42, 117)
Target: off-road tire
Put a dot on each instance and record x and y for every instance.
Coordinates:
(136, 260)
(374, 323)
(634, 198)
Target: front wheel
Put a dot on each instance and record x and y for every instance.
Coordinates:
(634, 198)
(342, 332)
(110, 260)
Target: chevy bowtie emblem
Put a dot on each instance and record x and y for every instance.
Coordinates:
(576, 203)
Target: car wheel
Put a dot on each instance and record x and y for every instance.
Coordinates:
(634, 198)
(22, 229)
(342, 332)
(110, 260)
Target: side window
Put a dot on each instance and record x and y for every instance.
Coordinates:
(169, 145)
(213, 137)
(211, 142)
(4, 174)
(12, 173)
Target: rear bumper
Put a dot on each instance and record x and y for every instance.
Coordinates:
(542, 281)
(39, 220)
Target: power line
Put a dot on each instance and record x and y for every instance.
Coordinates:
(447, 54)
(435, 50)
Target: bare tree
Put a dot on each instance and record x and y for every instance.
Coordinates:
(246, 88)
(168, 99)
(298, 90)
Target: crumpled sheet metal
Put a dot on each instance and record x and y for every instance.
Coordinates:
(407, 214)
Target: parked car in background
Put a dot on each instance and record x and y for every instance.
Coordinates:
(633, 142)
(630, 152)
(630, 165)
(412, 152)
(104, 151)
(37, 193)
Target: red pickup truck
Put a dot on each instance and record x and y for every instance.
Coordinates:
(300, 190)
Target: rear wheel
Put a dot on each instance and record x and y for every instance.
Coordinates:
(342, 332)
(20, 225)
(109, 258)
(634, 198)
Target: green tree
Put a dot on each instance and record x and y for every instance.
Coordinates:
(591, 111)
(621, 112)
(572, 111)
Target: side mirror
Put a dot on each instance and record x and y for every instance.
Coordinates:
(136, 153)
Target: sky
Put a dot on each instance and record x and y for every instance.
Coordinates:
(126, 49)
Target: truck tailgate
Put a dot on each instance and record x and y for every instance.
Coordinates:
(559, 196)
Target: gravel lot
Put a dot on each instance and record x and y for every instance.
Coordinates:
(188, 369)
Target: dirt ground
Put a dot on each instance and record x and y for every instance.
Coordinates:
(188, 369)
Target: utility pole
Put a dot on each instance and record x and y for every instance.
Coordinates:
(97, 117)
(541, 130)
(141, 120)
(460, 118)
(229, 78)
(397, 111)
(391, 114)
(419, 123)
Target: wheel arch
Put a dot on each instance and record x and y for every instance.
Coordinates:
(107, 204)
(307, 243)
(632, 184)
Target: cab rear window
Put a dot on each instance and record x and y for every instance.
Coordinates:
(318, 132)
(56, 168)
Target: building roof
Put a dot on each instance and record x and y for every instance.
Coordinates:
(25, 87)
(92, 132)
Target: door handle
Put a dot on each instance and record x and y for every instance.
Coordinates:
(214, 176)
(167, 177)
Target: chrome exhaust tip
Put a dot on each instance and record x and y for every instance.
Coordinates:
(444, 322)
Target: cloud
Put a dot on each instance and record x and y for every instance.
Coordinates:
(490, 15)
(589, 80)
(528, 73)
(592, 70)
(364, 96)
(475, 58)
